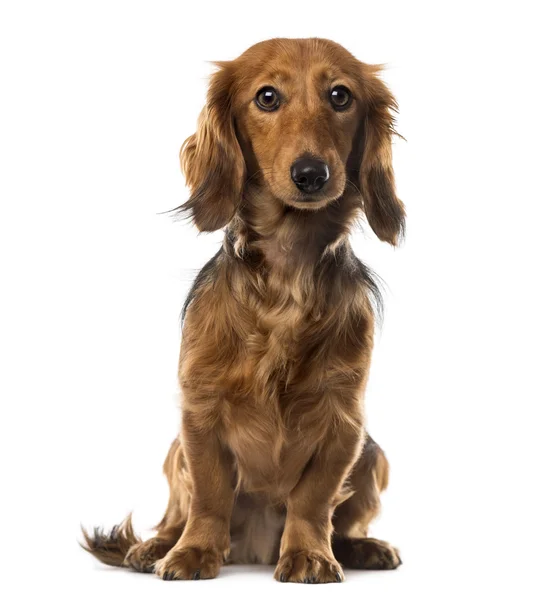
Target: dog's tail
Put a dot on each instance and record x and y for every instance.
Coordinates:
(111, 548)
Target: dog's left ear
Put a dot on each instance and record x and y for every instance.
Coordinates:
(383, 209)
(211, 159)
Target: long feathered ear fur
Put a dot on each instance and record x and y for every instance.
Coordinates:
(211, 159)
(384, 211)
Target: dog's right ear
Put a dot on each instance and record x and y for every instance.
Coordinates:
(211, 159)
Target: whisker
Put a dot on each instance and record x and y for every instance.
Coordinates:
(355, 187)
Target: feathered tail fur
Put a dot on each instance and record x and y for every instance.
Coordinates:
(111, 548)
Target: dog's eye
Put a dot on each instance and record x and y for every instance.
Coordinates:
(340, 97)
(267, 98)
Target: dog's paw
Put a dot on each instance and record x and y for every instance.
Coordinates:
(376, 554)
(382, 555)
(308, 567)
(143, 556)
(189, 563)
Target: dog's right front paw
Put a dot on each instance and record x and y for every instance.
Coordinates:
(189, 563)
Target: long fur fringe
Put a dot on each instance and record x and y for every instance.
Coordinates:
(111, 548)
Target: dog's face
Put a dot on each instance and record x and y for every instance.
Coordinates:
(297, 115)
(305, 121)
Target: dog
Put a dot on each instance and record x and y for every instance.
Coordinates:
(273, 464)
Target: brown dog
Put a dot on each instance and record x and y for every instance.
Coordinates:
(273, 464)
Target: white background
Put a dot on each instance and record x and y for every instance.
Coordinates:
(96, 99)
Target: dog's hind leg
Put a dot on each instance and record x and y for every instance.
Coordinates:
(351, 546)
(123, 548)
(143, 555)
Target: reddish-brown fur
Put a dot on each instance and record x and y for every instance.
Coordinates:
(273, 464)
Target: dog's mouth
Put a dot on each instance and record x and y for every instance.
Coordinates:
(310, 202)
(293, 196)
(331, 192)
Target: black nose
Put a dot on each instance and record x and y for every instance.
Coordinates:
(309, 174)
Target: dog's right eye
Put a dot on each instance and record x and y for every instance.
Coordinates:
(267, 98)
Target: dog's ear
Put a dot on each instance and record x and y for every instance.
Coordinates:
(384, 211)
(211, 159)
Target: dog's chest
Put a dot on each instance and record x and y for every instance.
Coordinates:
(261, 369)
(275, 415)
(275, 349)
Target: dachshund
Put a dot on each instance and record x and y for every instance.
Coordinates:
(273, 464)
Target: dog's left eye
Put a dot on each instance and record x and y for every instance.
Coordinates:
(340, 97)
(267, 98)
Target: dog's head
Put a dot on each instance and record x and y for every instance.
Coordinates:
(304, 120)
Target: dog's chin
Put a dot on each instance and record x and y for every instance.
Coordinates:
(310, 203)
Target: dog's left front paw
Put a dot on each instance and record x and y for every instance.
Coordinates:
(308, 567)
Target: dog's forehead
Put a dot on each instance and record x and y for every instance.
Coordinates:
(288, 60)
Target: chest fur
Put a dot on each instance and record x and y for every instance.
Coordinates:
(273, 372)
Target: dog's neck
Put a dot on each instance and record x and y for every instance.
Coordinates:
(289, 238)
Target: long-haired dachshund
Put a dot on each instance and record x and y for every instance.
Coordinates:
(273, 464)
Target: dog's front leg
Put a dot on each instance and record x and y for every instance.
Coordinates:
(306, 555)
(205, 541)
